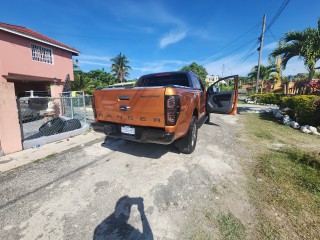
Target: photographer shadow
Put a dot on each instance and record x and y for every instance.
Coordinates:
(116, 225)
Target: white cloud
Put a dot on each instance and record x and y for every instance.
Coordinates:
(94, 63)
(271, 46)
(94, 57)
(171, 38)
(161, 66)
(294, 66)
(148, 11)
(232, 65)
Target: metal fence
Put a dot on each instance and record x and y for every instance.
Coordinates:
(46, 116)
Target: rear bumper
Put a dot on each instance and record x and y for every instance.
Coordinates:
(143, 134)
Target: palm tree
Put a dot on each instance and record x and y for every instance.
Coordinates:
(266, 73)
(120, 67)
(303, 44)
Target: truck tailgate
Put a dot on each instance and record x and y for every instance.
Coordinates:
(135, 106)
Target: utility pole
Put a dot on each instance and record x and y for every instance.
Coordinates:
(260, 49)
(222, 70)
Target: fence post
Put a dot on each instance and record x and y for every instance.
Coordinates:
(84, 107)
(61, 107)
(20, 121)
(71, 107)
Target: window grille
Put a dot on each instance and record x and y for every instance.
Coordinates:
(41, 54)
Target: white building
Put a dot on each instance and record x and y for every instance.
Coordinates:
(214, 78)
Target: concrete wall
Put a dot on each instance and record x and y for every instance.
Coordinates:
(16, 57)
(10, 135)
(56, 90)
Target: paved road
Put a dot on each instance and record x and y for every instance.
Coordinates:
(127, 189)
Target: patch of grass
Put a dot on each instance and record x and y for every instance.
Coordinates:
(241, 101)
(287, 195)
(267, 231)
(44, 158)
(293, 180)
(214, 190)
(311, 159)
(230, 227)
(263, 135)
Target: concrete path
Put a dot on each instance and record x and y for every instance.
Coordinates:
(14, 160)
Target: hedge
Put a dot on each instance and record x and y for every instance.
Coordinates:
(305, 109)
(268, 98)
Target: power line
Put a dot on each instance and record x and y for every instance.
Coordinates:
(272, 34)
(249, 53)
(247, 43)
(231, 42)
(273, 20)
(276, 16)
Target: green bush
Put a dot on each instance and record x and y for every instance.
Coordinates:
(303, 109)
(268, 98)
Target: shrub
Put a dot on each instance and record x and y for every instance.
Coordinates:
(268, 98)
(304, 109)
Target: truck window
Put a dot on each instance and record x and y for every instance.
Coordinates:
(197, 82)
(163, 80)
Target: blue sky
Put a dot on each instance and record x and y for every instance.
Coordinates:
(165, 35)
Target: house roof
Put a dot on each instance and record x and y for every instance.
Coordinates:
(28, 33)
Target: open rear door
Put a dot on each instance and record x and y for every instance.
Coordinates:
(222, 96)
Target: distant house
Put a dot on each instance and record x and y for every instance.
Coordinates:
(28, 61)
(211, 79)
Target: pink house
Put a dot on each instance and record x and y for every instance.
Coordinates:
(28, 61)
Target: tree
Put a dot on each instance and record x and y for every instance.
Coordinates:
(78, 83)
(67, 84)
(120, 67)
(266, 73)
(75, 65)
(303, 44)
(197, 69)
(89, 81)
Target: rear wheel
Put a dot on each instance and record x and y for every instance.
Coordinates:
(208, 117)
(188, 143)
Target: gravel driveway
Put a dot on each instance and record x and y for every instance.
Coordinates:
(128, 189)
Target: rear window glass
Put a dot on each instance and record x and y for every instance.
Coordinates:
(163, 80)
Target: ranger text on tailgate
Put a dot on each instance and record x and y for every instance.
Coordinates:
(162, 108)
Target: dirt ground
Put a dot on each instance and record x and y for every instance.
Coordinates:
(125, 190)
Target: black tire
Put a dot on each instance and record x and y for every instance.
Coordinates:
(208, 118)
(189, 142)
(70, 125)
(52, 127)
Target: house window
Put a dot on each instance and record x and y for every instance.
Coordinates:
(41, 54)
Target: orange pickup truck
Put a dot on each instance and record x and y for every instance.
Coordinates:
(162, 108)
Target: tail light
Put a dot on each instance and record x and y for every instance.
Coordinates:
(172, 109)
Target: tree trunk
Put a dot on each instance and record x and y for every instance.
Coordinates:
(261, 90)
(311, 74)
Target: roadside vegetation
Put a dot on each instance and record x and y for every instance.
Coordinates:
(284, 178)
(305, 109)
